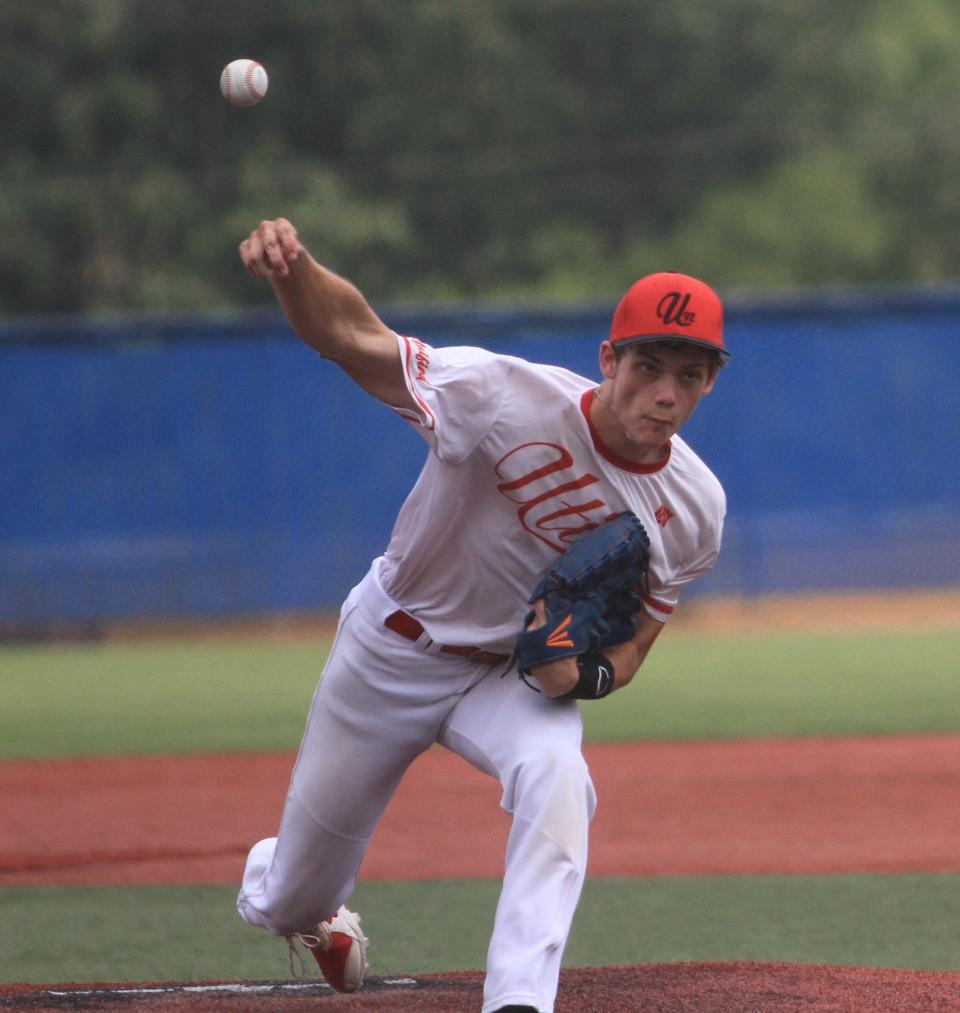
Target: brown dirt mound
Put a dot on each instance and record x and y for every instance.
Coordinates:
(679, 988)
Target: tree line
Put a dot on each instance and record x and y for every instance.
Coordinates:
(476, 150)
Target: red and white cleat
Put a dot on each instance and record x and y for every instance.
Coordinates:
(340, 949)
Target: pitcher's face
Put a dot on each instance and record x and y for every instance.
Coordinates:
(652, 388)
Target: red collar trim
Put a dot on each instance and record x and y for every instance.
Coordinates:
(586, 404)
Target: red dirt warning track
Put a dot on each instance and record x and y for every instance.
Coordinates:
(884, 804)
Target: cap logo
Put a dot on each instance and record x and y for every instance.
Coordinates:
(672, 309)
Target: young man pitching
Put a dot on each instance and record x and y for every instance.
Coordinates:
(524, 460)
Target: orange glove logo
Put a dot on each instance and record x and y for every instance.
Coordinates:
(560, 637)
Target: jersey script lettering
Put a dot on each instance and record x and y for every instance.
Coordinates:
(539, 477)
(421, 358)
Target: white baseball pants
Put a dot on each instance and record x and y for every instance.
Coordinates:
(380, 702)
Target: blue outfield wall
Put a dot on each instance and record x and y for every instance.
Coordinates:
(210, 467)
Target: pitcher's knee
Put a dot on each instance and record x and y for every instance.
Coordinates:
(279, 914)
(281, 904)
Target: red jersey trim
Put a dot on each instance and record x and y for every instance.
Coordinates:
(586, 403)
(658, 605)
(409, 364)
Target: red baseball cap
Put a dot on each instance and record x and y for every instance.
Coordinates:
(673, 306)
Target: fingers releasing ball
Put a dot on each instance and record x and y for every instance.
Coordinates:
(243, 82)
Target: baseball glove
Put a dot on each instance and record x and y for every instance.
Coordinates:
(590, 593)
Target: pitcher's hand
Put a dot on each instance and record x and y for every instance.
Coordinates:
(270, 249)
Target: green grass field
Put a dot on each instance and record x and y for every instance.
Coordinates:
(184, 933)
(196, 696)
(201, 696)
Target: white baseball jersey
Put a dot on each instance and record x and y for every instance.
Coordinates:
(516, 471)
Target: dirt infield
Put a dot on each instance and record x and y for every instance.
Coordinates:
(910, 608)
(653, 988)
(903, 608)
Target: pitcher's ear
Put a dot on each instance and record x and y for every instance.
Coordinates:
(608, 360)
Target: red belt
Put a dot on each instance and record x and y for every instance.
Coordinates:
(403, 623)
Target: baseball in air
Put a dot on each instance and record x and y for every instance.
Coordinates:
(243, 82)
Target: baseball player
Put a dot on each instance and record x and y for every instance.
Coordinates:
(523, 460)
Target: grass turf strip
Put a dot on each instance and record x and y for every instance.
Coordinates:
(58, 934)
(199, 697)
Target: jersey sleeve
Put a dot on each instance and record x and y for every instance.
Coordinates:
(458, 393)
(663, 600)
(665, 592)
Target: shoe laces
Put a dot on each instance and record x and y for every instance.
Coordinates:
(298, 966)
(320, 939)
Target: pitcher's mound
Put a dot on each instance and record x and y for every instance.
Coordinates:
(664, 988)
